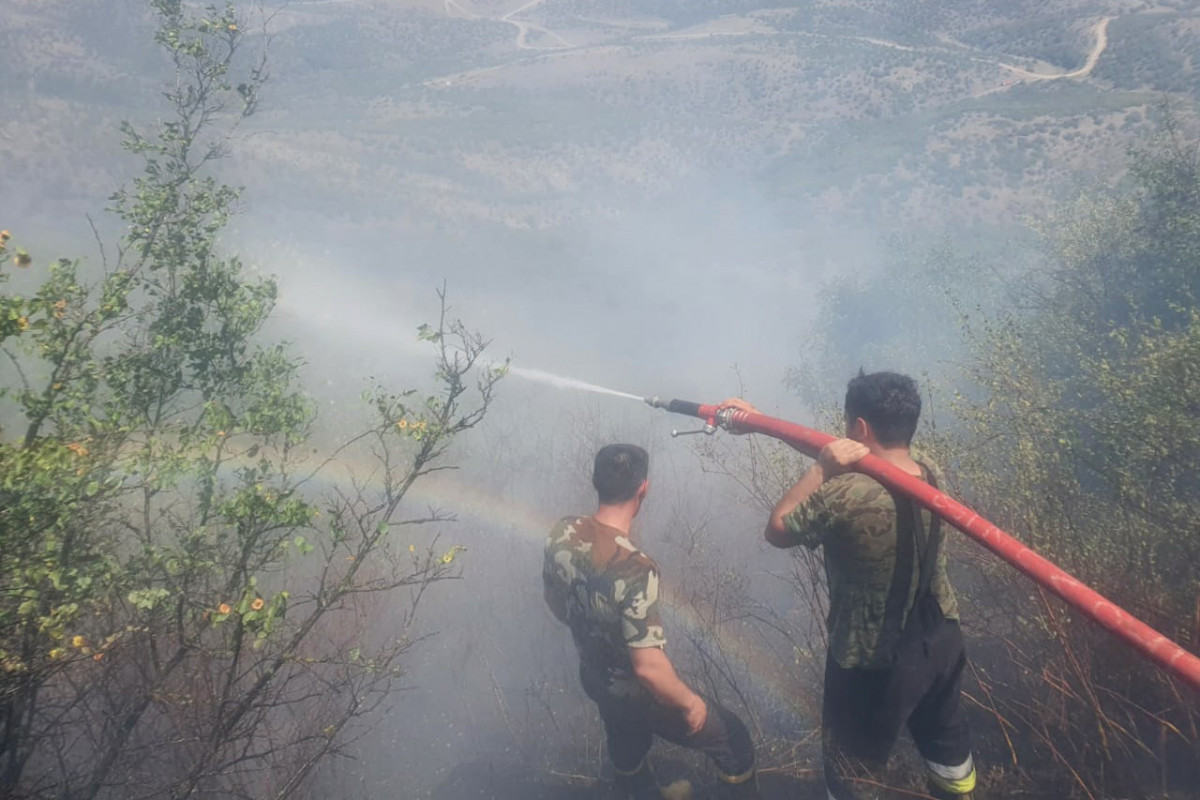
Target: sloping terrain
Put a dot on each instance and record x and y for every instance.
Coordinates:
(531, 114)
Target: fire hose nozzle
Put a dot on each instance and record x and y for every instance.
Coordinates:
(684, 407)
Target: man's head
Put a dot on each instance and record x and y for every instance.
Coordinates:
(619, 474)
(882, 408)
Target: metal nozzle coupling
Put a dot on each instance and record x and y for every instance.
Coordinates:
(708, 428)
(656, 402)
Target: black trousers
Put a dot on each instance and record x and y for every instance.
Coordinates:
(630, 725)
(864, 711)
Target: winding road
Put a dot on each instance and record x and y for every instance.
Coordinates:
(1101, 31)
(454, 8)
(523, 28)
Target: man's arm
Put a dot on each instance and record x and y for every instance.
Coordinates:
(654, 671)
(834, 459)
(642, 627)
(777, 533)
(553, 590)
(556, 602)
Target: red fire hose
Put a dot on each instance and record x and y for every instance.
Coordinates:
(1149, 642)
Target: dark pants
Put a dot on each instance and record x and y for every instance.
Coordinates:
(631, 724)
(864, 711)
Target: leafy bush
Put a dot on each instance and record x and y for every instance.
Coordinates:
(183, 611)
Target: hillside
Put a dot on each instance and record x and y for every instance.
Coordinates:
(646, 196)
(531, 115)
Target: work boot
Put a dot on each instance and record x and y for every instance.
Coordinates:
(677, 790)
(951, 783)
(941, 793)
(641, 784)
(738, 787)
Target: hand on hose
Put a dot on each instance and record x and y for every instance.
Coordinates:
(740, 405)
(839, 456)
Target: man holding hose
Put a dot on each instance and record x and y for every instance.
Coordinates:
(896, 653)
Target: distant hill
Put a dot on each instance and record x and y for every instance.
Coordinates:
(419, 113)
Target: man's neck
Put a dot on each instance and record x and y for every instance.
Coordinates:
(900, 457)
(617, 516)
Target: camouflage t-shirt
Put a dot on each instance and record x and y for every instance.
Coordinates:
(854, 518)
(607, 590)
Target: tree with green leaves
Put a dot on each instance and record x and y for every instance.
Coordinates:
(184, 586)
(1064, 400)
(1083, 435)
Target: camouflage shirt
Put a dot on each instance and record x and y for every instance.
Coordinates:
(854, 518)
(606, 590)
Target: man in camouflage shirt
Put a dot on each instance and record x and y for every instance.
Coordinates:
(896, 653)
(606, 590)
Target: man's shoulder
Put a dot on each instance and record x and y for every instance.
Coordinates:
(632, 560)
(644, 563)
(565, 534)
(572, 521)
(932, 465)
(607, 550)
(854, 490)
(851, 491)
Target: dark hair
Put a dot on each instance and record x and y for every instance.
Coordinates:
(889, 402)
(619, 471)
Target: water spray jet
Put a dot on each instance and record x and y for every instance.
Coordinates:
(1150, 643)
(541, 376)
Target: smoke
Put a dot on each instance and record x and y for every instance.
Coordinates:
(641, 256)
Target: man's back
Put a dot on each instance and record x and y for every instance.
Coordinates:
(867, 562)
(606, 590)
(896, 656)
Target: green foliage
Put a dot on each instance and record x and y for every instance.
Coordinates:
(1084, 440)
(1063, 400)
(172, 577)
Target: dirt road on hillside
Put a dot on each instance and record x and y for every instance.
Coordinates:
(1101, 32)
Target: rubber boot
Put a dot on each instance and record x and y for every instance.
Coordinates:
(641, 784)
(738, 787)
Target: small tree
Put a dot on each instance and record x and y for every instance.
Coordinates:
(186, 594)
(1084, 441)
(1064, 404)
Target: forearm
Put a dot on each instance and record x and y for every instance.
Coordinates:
(777, 533)
(657, 675)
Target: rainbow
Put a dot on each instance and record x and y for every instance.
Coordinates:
(769, 675)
